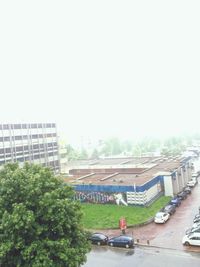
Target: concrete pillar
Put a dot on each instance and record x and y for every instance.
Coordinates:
(168, 185)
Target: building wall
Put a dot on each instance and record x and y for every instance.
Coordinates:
(143, 198)
(170, 182)
(34, 142)
(175, 185)
(168, 185)
(135, 195)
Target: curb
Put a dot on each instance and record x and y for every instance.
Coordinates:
(159, 247)
(129, 226)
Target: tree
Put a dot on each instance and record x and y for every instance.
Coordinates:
(40, 224)
(83, 154)
(72, 154)
(111, 146)
(95, 154)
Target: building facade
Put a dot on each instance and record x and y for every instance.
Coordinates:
(32, 142)
(130, 181)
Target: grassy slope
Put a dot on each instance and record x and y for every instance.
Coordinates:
(97, 216)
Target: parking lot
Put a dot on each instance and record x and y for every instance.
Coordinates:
(170, 234)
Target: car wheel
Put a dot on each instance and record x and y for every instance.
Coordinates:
(187, 243)
(98, 243)
(111, 244)
(127, 246)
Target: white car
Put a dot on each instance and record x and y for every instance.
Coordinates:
(191, 239)
(197, 224)
(161, 217)
(192, 230)
(191, 183)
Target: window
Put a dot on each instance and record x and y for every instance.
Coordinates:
(34, 136)
(5, 126)
(18, 137)
(16, 126)
(8, 150)
(33, 125)
(7, 138)
(24, 126)
(36, 146)
(19, 148)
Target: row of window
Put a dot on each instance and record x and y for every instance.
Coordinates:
(54, 163)
(41, 152)
(27, 126)
(25, 137)
(47, 146)
(30, 157)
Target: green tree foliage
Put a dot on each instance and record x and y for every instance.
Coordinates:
(72, 154)
(95, 154)
(111, 147)
(83, 154)
(39, 221)
(170, 146)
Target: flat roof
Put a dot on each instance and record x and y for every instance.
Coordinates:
(151, 167)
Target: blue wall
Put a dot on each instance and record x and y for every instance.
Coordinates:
(119, 188)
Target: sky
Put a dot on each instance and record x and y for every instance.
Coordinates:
(101, 68)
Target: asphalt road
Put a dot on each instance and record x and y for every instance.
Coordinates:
(143, 257)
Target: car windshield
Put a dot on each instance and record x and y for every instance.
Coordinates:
(174, 200)
(159, 215)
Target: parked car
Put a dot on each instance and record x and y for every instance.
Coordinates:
(98, 239)
(196, 220)
(170, 209)
(191, 183)
(187, 189)
(161, 217)
(192, 230)
(197, 216)
(191, 239)
(176, 201)
(121, 241)
(197, 224)
(182, 195)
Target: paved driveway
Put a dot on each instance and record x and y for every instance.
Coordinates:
(168, 235)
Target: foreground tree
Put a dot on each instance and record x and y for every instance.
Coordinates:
(39, 221)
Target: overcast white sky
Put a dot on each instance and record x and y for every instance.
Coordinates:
(101, 68)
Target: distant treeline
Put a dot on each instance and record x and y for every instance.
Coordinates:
(173, 145)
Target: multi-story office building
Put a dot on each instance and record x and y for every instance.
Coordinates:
(32, 142)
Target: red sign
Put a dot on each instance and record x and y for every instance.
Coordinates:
(122, 224)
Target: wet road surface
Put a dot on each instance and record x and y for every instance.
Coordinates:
(143, 257)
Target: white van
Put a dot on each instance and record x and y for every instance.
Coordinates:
(191, 239)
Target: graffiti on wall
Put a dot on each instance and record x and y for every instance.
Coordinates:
(101, 197)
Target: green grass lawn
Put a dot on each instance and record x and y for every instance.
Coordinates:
(97, 216)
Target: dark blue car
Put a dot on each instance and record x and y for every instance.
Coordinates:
(121, 241)
(98, 239)
(176, 201)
